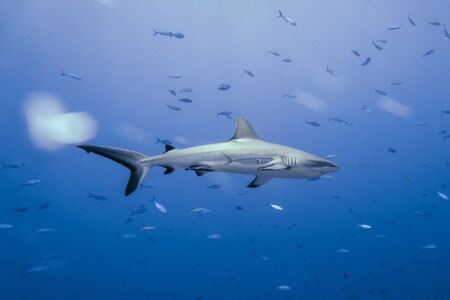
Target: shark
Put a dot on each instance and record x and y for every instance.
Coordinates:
(245, 153)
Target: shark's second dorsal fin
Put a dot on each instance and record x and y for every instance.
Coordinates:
(243, 129)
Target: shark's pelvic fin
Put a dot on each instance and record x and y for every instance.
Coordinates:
(130, 159)
(243, 129)
(258, 181)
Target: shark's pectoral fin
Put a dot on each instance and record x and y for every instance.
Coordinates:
(199, 170)
(275, 167)
(258, 181)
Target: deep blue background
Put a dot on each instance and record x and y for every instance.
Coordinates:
(125, 87)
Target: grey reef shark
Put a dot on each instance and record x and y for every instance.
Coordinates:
(244, 153)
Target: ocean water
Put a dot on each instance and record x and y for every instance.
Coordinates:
(376, 229)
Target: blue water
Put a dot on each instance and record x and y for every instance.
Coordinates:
(125, 89)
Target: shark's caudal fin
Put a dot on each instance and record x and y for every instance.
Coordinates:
(130, 159)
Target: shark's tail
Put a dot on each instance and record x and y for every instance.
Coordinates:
(280, 15)
(155, 32)
(134, 161)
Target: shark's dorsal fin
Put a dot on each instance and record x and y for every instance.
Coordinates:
(243, 129)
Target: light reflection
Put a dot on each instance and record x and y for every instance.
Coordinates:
(50, 128)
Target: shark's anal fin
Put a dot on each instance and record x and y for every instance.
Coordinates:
(168, 170)
(258, 181)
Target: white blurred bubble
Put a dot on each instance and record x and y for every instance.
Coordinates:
(311, 102)
(50, 128)
(394, 107)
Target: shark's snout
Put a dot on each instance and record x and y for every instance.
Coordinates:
(321, 165)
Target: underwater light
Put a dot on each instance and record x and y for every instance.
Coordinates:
(50, 128)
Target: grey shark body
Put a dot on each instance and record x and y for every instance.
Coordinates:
(244, 153)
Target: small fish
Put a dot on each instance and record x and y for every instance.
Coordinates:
(345, 275)
(172, 92)
(44, 230)
(164, 142)
(44, 206)
(6, 226)
(178, 35)
(446, 34)
(199, 210)
(147, 228)
(223, 87)
(249, 73)
(286, 60)
(175, 76)
(312, 123)
(36, 269)
(140, 210)
(445, 137)
(355, 52)
(380, 92)
(442, 132)
(442, 195)
(238, 207)
(214, 236)
(391, 150)
(163, 33)
(30, 183)
(364, 226)
(409, 179)
(51, 256)
(173, 107)
(287, 19)
(71, 75)
(185, 100)
(366, 62)
(128, 220)
(289, 96)
(276, 206)
(367, 110)
(213, 187)
(160, 207)
(394, 28)
(421, 123)
(225, 113)
(20, 209)
(429, 247)
(343, 250)
(283, 288)
(97, 197)
(332, 72)
(14, 165)
(411, 21)
(377, 46)
(379, 237)
(330, 156)
(382, 41)
(129, 236)
(395, 83)
(186, 90)
(273, 53)
(421, 213)
(429, 52)
(241, 194)
(434, 23)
